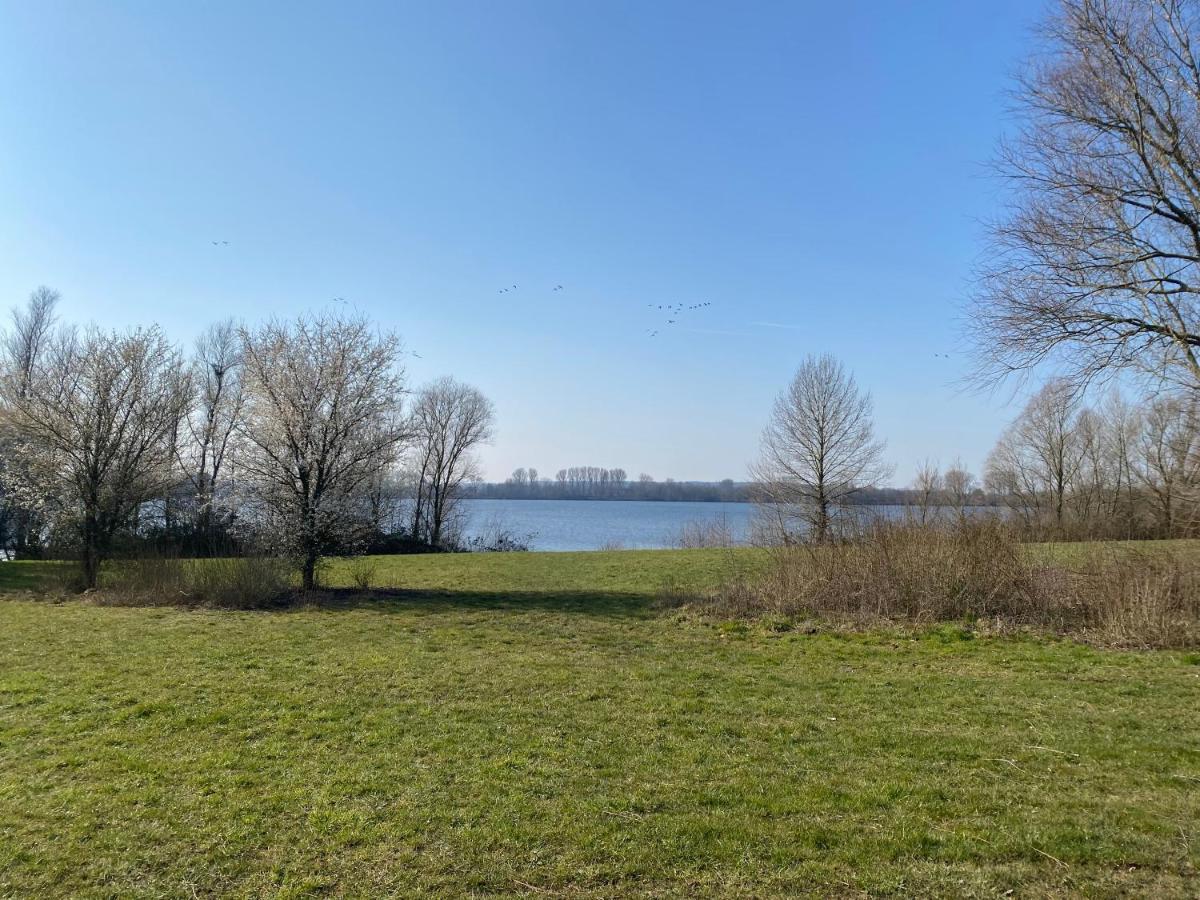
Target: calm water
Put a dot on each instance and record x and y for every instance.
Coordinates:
(625, 524)
(593, 524)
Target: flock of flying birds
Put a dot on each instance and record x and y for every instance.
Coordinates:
(673, 310)
(557, 287)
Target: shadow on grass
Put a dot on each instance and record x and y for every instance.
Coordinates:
(42, 578)
(32, 575)
(607, 604)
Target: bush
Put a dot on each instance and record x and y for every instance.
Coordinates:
(244, 582)
(362, 571)
(1138, 599)
(970, 570)
(495, 538)
(705, 533)
(240, 582)
(158, 576)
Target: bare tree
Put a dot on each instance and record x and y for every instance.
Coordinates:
(927, 484)
(1121, 422)
(1097, 267)
(31, 329)
(959, 485)
(449, 421)
(1038, 457)
(819, 447)
(96, 412)
(210, 425)
(321, 421)
(1169, 458)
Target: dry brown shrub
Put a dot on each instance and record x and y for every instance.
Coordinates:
(248, 582)
(969, 571)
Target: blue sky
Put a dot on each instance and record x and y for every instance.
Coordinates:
(815, 171)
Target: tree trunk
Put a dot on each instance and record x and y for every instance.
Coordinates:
(822, 518)
(309, 572)
(91, 553)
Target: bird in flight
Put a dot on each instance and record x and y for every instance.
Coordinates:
(559, 288)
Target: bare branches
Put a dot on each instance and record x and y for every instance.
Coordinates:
(450, 419)
(1096, 268)
(1117, 470)
(212, 420)
(819, 447)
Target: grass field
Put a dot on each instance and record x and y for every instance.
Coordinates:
(529, 724)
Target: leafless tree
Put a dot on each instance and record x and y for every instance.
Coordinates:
(959, 485)
(1169, 458)
(819, 447)
(32, 327)
(209, 428)
(96, 412)
(1037, 458)
(322, 418)
(1121, 421)
(1097, 269)
(449, 421)
(927, 484)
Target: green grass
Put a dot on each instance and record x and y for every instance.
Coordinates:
(530, 724)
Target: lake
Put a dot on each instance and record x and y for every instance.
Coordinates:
(623, 524)
(593, 524)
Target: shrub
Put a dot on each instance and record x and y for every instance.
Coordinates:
(1138, 599)
(969, 570)
(153, 575)
(705, 533)
(240, 582)
(244, 582)
(362, 571)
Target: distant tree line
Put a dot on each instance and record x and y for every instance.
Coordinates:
(588, 483)
(1115, 469)
(599, 483)
(285, 438)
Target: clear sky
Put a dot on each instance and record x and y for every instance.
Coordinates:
(815, 171)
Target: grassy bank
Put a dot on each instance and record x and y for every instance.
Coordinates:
(530, 724)
(640, 572)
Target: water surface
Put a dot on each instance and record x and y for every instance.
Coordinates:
(597, 524)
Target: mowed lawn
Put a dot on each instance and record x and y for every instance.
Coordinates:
(529, 724)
